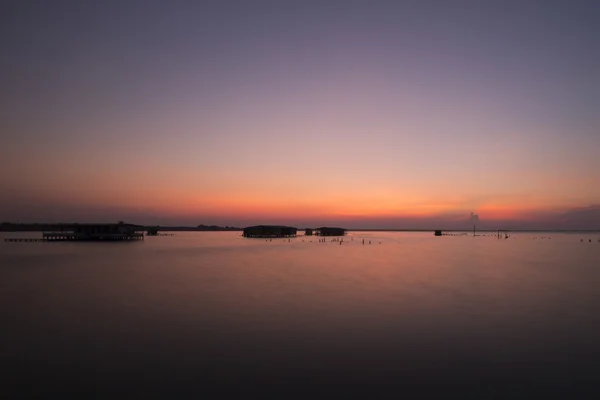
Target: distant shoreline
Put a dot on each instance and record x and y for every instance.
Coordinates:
(40, 227)
(480, 230)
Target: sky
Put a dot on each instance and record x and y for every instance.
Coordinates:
(363, 114)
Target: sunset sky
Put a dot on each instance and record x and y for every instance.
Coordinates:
(364, 114)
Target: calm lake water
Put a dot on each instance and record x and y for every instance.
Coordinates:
(220, 316)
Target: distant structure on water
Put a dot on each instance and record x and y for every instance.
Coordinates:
(269, 231)
(308, 232)
(438, 232)
(152, 231)
(328, 231)
(96, 232)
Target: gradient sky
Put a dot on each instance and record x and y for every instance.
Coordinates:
(366, 114)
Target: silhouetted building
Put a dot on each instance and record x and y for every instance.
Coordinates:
(328, 231)
(269, 231)
(308, 232)
(438, 233)
(152, 231)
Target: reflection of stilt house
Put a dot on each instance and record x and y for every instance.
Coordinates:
(269, 231)
(327, 231)
(95, 232)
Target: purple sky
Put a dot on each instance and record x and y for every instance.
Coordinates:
(394, 114)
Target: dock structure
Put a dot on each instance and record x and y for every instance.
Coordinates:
(154, 231)
(25, 240)
(108, 237)
(269, 231)
(120, 232)
(329, 231)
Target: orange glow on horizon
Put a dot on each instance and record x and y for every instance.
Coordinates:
(347, 209)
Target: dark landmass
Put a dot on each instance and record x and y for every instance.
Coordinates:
(203, 228)
(41, 227)
(199, 228)
(480, 230)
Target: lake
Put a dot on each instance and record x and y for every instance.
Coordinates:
(215, 315)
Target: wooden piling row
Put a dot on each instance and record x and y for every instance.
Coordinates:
(27, 240)
(68, 237)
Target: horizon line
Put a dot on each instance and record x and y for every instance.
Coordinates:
(195, 227)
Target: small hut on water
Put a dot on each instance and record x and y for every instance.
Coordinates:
(269, 231)
(328, 231)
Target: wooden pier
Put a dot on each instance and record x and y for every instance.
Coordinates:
(69, 237)
(102, 237)
(29, 240)
(329, 231)
(120, 232)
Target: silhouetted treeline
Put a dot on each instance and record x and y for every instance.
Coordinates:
(217, 228)
(199, 228)
(39, 227)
